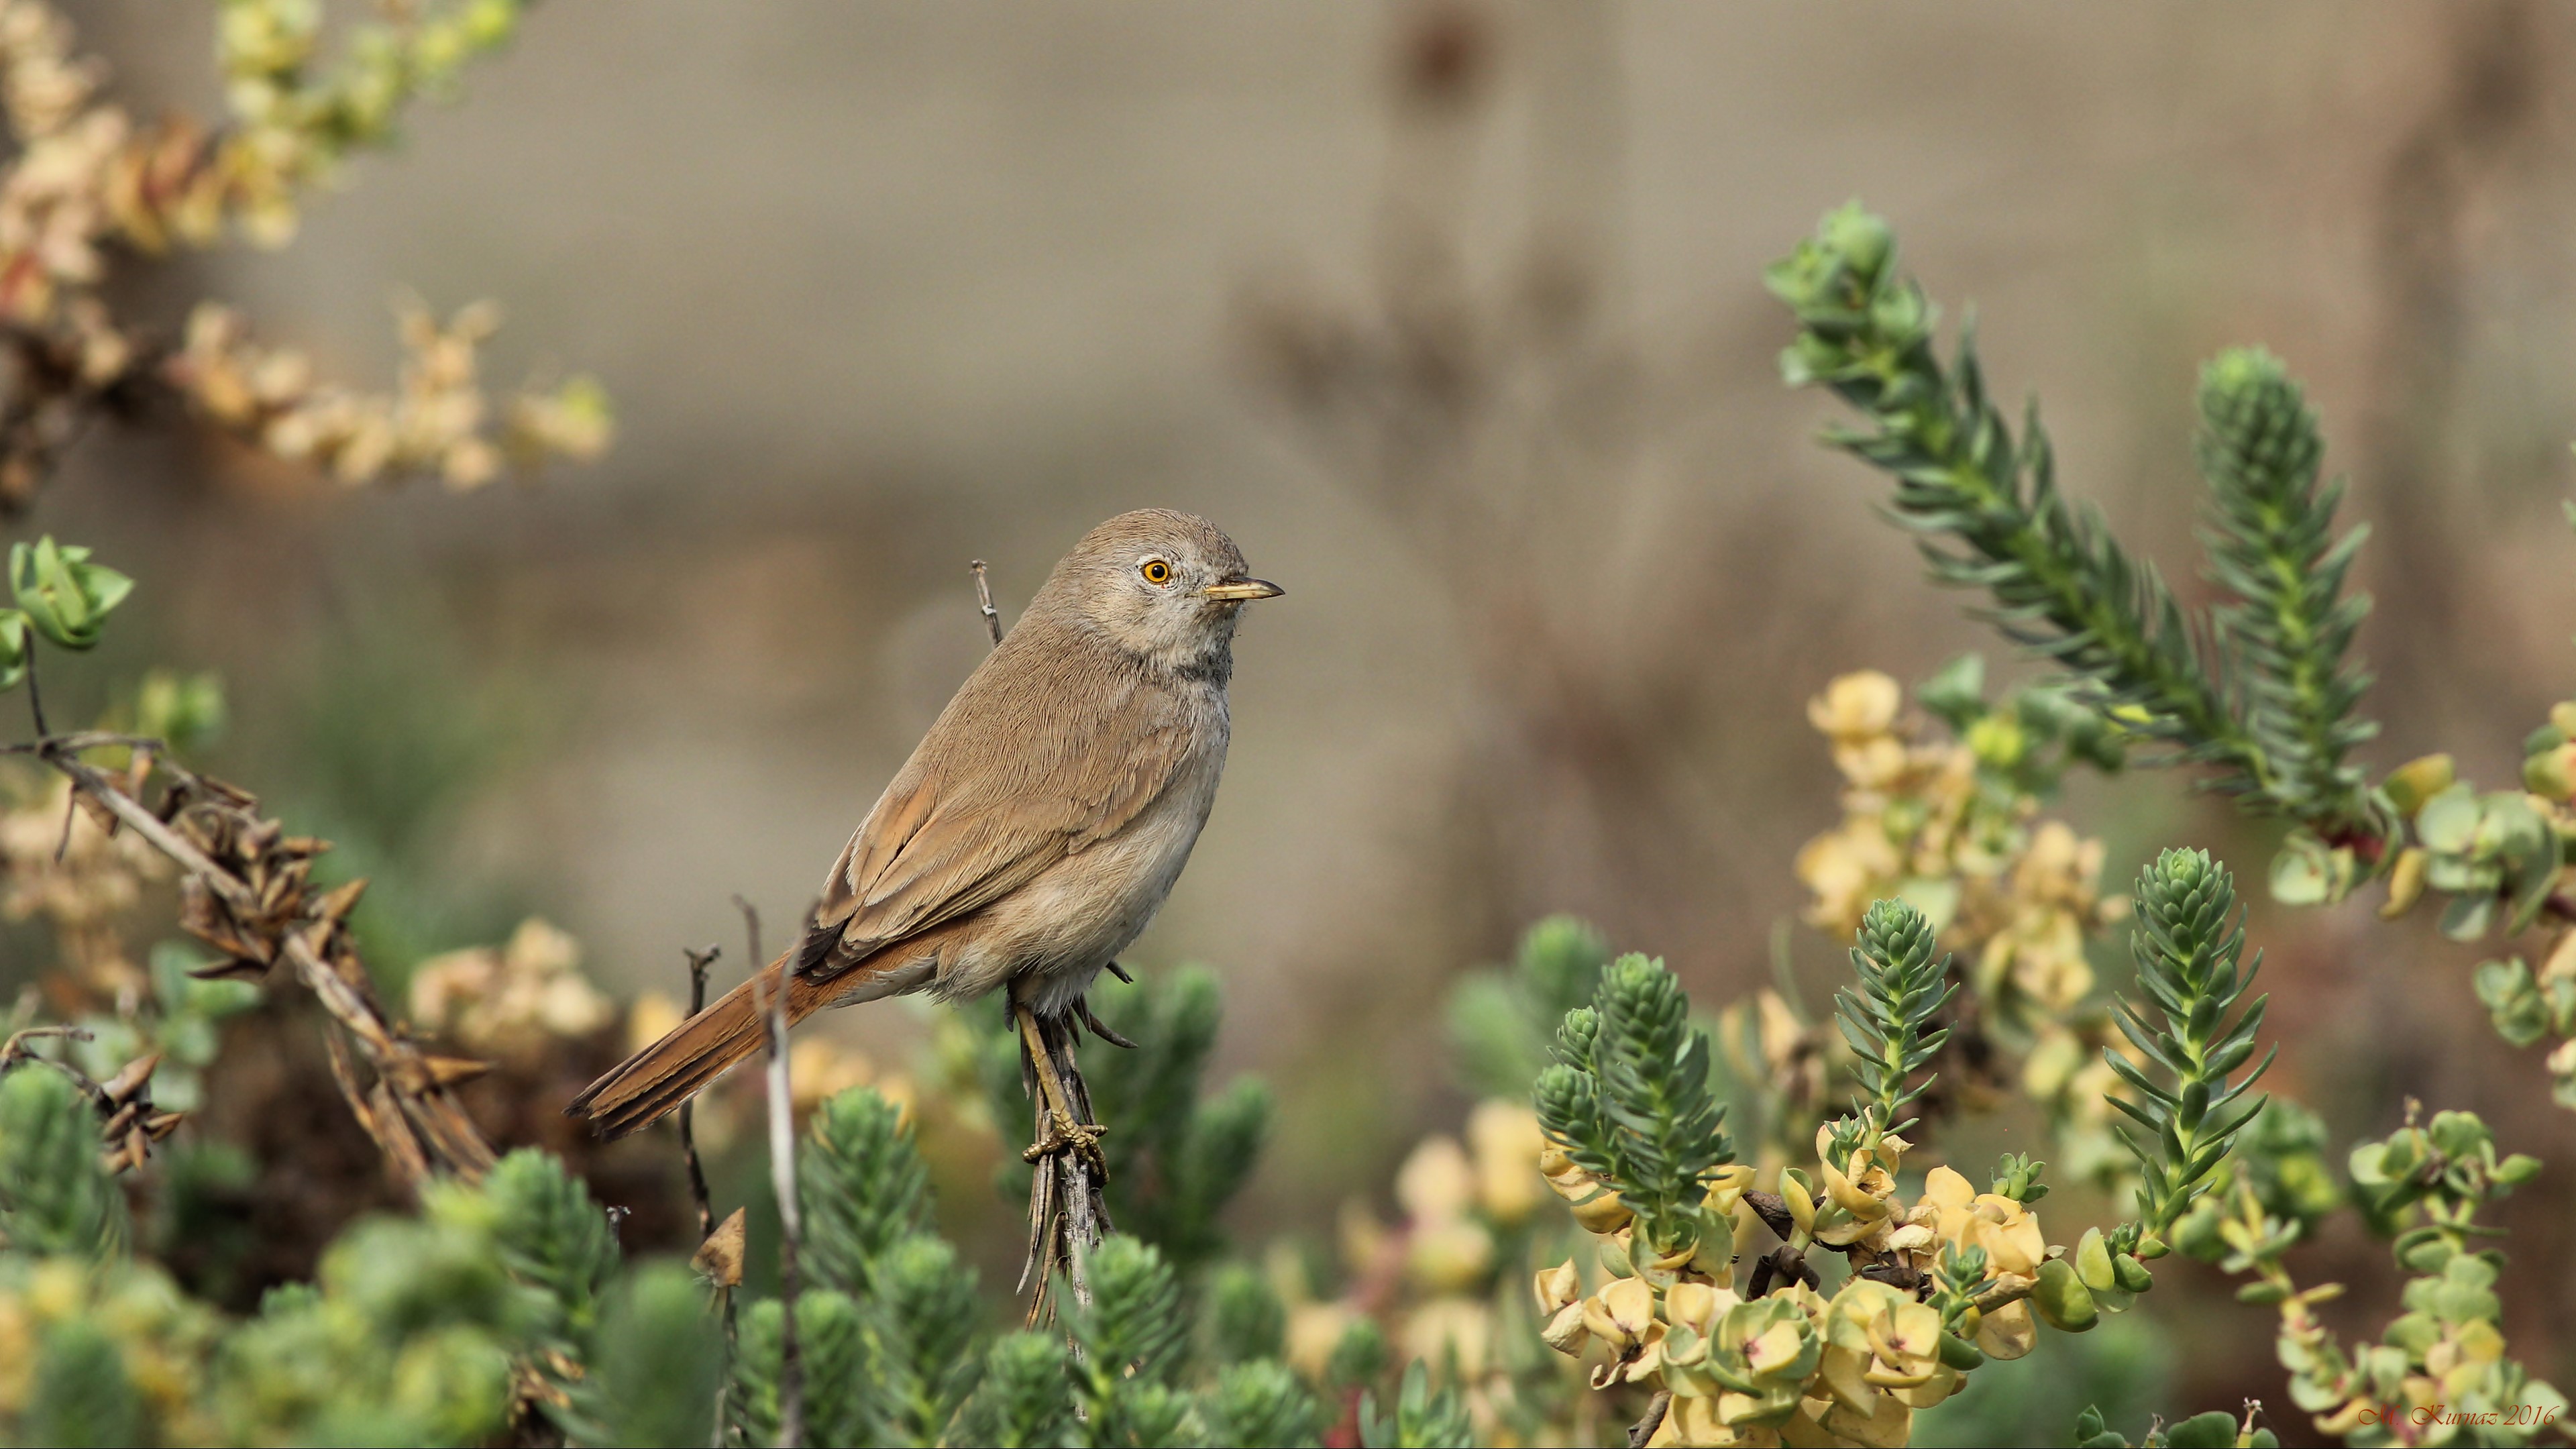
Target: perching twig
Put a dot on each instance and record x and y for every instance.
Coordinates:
(1068, 1206)
(1068, 1203)
(1062, 1126)
(699, 961)
(984, 598)
(782, 1180)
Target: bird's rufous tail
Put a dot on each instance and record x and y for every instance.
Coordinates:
(638, 1090)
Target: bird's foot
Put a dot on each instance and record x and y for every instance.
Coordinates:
(1081, 1138)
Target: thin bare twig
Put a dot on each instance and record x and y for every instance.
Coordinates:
(725, 1282)
(772, 1008)
(35, 696)
(699, 961)
(750, 927)
(14, 1050)
(1644, 1429)
(984, 599)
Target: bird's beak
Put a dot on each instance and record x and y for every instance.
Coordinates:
(1236, 591)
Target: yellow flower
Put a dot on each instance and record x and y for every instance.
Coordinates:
(1872, 764)
(1774, 1349)
(2008, 1332)
(1565, 1331)
(1436, 1182)
(1905, 1341)
(649, 1019)
(1558, 1286)
(513, 1000)
(1696, 1305)
(2008, 1232)
(1596, 1208)
(1887, 1424)
(1314, 1331)
(1503, 1137)
(1446, 1326)
(1620, 1313)
(2560, 964)
(1560, 1302)
(2055, 1058)
(1856, 706)
(1846, 868)
(2043, 953)
(1448, 1257)
(819, 1070)
(1864, 1194)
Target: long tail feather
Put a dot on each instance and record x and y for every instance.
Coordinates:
(639, 1090)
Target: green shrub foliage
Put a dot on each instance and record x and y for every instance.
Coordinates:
(506, 1309)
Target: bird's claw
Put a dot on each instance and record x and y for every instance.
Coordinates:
(1081, 1138)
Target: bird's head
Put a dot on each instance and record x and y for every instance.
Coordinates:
(1162, 585)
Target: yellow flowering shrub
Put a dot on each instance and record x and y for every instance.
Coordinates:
(1941, 809)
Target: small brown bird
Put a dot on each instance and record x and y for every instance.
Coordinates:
(1036, 828)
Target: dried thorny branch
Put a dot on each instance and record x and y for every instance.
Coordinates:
(246, 890)
(133, 1124)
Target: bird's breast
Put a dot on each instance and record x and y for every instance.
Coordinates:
(1053, 935)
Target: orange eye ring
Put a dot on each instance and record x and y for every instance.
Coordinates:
(1156, 571)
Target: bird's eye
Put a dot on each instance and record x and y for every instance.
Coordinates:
(1156, 571)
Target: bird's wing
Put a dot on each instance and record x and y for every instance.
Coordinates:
(960, 829)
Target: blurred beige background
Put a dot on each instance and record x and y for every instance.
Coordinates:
(881, 288)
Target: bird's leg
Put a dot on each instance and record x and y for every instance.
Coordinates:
(1064, 1128)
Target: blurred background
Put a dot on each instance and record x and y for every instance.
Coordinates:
(1452, 315)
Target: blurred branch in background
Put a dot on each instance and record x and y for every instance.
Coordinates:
(1503, 425)
(92, 193)
(2483, 123)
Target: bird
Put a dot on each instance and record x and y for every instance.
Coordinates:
(1035, 830)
